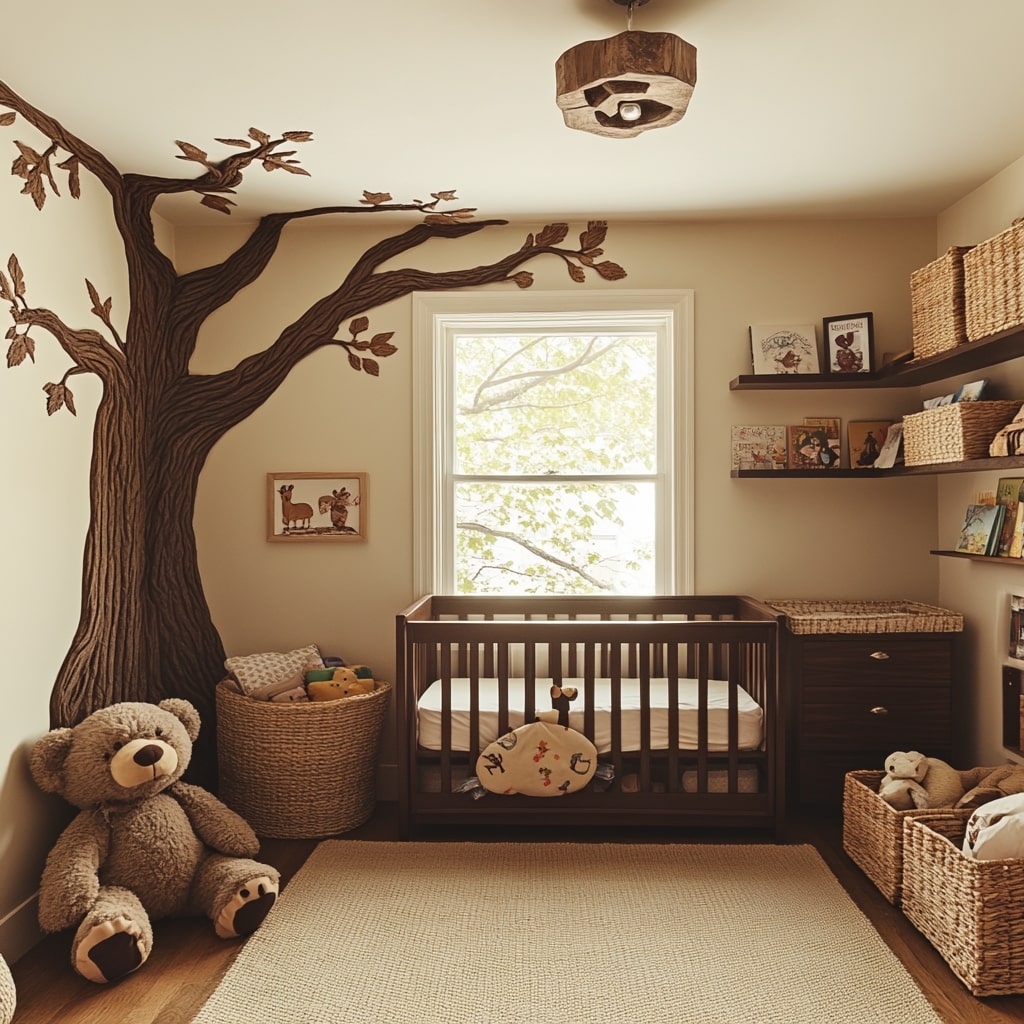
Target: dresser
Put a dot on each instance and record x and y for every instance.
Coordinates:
(860, 680)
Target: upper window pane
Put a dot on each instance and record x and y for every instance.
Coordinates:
(538, 404)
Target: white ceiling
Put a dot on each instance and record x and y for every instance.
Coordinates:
(802, 107)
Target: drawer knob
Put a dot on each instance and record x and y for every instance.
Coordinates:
(880, 656)
(879, 710)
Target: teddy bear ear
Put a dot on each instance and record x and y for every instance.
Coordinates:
(185, 712)
(46, 761)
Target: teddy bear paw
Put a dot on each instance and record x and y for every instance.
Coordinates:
(245, 911)
(109, 950)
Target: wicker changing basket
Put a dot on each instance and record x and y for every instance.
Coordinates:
(938, 315)
(873, 829)
(838, 616)
(994, 283)
(972, 911)
(954, 432)
(300, 771)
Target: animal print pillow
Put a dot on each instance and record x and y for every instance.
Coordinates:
(255, 672)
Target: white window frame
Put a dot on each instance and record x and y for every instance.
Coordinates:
(436, 315)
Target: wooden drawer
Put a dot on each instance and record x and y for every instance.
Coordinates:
(879, 659)
(875, 716)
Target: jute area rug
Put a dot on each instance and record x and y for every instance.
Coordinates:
(545, 933)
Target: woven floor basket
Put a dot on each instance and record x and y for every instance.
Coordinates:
(938, 314)
(972, 911)
(300, 771)
(873, 829)
(994, 284)
(954, 432)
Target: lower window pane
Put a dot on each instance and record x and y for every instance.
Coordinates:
(558, 538)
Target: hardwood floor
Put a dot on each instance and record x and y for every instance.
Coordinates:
(188, 960)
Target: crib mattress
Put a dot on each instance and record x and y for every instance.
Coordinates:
(749, 713)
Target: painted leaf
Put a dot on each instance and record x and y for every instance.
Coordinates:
(5, 287)
(240, 143)
(28, 152)
(74, 179)
(261, 137)
(360, 324)
(355, 362)
(594, 235)
(190, 152)
(16, 275)
(298, 136)
(444, 196)
(22, 346)
(58, 395)
(552, 234)
(610, 271)
(218, 203)
(372, 367)
(381, 347)
(523, 279)
(34, 188)
(577, 273)
(375, 198)
(7, 119)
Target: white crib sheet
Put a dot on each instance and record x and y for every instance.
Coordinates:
(749, 713)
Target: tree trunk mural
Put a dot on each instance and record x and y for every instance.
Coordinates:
(145, 630)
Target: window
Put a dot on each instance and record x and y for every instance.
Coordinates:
(552, 444)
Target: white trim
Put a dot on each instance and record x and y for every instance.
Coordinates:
(433, 312)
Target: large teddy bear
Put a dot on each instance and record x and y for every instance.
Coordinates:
(144, 845)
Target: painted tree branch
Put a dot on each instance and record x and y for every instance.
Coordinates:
(145, 630)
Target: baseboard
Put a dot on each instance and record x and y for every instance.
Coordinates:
(19, 929)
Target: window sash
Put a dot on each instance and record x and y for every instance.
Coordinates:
(438, 318)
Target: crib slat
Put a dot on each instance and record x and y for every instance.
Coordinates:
(446, 718)
(644, 674)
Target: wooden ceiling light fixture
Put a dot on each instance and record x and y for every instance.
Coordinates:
(620, 87)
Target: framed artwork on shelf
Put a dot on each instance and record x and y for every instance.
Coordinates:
(783, 348)
(849, 343)
(866, 438)
(757, 446)
(316, 506)
(831, 425)
(810, 447)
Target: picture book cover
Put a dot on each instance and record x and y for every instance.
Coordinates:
(892, 448)
(832, 427)
(866, 438)
(809, 447)
(1008, 493)
(979, 523)
(782, 348)
(758, 446)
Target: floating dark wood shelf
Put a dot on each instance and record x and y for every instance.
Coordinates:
(963, 359)
(1001, 559)
(994, 465)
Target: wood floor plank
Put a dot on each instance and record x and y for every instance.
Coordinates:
(188, 960)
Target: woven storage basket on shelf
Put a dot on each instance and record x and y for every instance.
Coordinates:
(867, 617)
(300, 771)
(994, 283)
(972, 911)
(954, 432)
(938, 319)
(873, 829)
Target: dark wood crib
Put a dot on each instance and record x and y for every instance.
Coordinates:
(680, 696)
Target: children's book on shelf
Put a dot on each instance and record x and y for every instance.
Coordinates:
(784, 348)
(892, 449)
(1016, 626)
(866, 438)
(979, 534)
(832, 426)
(810, 447)
(1008, 492)
(758, 446)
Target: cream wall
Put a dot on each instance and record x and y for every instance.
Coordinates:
(770, 537)
(43, 521)
(981, 589)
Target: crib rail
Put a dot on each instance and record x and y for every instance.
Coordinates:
(672, 639)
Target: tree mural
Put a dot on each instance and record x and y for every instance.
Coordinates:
(145, 630)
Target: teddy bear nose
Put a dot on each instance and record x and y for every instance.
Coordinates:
(147, 755)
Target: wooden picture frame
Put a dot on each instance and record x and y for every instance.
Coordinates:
(784, 348)
(316, 506)
(849, 344)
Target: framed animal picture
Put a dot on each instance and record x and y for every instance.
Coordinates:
(316, 506)
(849, 343)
